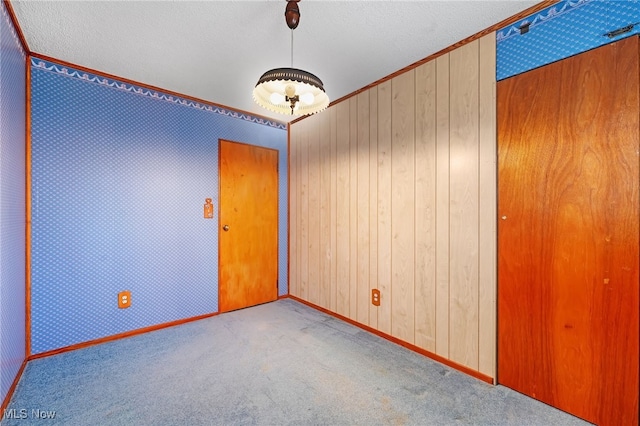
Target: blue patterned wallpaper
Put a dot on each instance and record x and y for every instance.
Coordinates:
(120, 176)
(12, 203)
(562, 30)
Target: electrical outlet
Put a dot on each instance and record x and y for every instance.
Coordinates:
(124, 299)
(375, 297)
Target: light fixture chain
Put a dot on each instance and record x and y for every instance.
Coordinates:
(291, 48)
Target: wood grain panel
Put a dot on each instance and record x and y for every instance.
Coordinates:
(442, 206)
(294, 216)
(400, 342)
(303, 193)
(313, 241)
(568, 245)
(490, 31)
(463, 187)
(487, 236)
(325, 210)
(333, 125)
(343, 254)
(425, 202)
(248, 252)
(384, 206)
(373, 202)
(403, 206)
(362, 219)
(353, 207)
(412, 193)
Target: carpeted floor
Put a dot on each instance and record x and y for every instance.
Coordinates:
(282, 363)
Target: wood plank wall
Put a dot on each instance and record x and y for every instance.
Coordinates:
(395, 189)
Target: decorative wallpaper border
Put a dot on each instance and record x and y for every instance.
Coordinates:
(540, 18)
(16, 38)
(564, 29)
(47, 66)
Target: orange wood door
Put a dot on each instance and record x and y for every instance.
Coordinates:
(568, 290)
(248, 236)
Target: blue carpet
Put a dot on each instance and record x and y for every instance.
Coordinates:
(281, 363)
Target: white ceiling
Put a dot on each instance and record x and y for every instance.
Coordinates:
(217, 50)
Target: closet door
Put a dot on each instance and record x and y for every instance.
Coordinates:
(568, 290)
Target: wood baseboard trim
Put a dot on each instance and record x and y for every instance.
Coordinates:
(118, 336)
(12, 388)
(428, 354)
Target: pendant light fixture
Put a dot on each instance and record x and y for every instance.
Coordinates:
(290, 90)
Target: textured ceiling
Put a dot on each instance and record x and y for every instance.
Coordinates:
(217, 50)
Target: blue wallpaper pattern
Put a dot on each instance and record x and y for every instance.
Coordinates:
(12, 203)
(562, 30)
(94, 78)
(120, 176)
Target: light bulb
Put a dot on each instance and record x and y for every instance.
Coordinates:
(276, 98)
(307, 98)
(290, 90)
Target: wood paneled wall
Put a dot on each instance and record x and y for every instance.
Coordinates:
(395, 189)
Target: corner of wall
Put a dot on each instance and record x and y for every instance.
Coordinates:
(12, 205)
